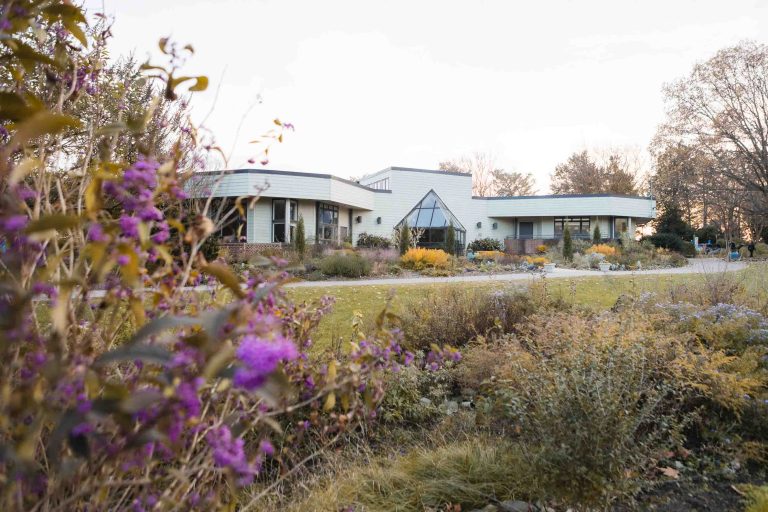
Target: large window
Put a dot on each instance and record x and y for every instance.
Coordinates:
(578, 226)
(278, 219)
(433, 218)
(327, 222)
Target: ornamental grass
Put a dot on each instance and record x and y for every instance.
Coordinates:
(418, 258)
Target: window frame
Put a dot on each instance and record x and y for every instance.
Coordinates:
(293, 213)
(561, 222)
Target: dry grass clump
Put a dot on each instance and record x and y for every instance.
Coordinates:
(469, 473)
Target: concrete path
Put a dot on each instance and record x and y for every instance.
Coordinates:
(695, 266)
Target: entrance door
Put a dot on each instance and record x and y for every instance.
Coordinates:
(526, 230)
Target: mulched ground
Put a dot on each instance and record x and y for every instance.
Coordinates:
(694, 494)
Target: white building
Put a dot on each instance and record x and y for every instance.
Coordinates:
(335, 209)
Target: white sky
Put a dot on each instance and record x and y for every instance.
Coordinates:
(410, 83)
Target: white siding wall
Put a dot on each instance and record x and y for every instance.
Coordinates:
(260, 221)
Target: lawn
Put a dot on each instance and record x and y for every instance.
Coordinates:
(599, 292)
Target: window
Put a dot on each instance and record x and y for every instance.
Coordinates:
(578, 226)
(432, 217)
(620, 225)
(380, 184)
(278, 219)
(327, 222)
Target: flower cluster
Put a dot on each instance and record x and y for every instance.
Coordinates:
(259, 358)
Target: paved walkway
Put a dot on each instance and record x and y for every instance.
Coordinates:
(695, 266)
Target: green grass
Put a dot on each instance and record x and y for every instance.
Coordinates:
(599, 292)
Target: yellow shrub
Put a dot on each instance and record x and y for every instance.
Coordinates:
(539, 261)
(605, 250)
(541, 249)
(489, 255)
(418, 258)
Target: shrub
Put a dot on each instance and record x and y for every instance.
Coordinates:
(347, 265)
(405, 238)
(596, 235)
(539, 261)
(542, 249)
(450, 240)
(364, 240)
(414, 394)
(673, 242)
(567, 245)
(708, 233)
(460, 315)
(580, 446)
(419, 258)
(649, 376)
(486, 244)
(489, 255)
(604, 249)
(300, 239)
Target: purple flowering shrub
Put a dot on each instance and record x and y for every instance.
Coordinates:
(122, 387)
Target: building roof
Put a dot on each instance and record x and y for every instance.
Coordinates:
(296, 173)
(560, 196)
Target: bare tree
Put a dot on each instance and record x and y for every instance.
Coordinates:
(513, 183)
(481, 165)
(582, 174)
(722, 108)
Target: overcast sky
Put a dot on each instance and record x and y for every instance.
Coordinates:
(374, 84)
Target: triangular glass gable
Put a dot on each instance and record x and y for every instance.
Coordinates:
(431, 212)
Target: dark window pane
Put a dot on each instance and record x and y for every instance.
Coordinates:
(278, 232)
(278, 210)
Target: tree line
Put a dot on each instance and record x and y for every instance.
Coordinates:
(708, 167)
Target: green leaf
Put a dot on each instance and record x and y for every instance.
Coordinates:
(112, 129)
(55, 221)
(15, 107)
(76, 31)
(65, 11)
(225, 277)
(161, 324)
(42, 123)
(140, 400)
(220, 360)
(24, 52)
(200, 85)
(136, 351)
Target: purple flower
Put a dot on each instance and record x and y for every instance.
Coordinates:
(129, 226)
(123, 260)
(14, 223)
(44, 289)
(150, 213)
(96, 233)
(266, 448)
(230, 453)
(186, 393)
(162, 235)
(259, 358)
